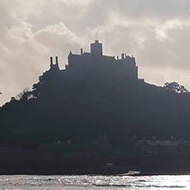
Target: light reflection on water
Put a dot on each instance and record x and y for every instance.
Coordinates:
(24, 182)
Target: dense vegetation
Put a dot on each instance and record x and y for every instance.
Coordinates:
(80, 107)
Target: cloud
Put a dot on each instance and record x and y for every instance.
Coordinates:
(155, 32)
(25, 52)
(159, 43)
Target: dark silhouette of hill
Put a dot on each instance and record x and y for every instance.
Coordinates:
(94, 96)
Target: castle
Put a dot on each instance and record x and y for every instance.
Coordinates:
(96, 60)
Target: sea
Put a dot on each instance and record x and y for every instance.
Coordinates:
(94, 182)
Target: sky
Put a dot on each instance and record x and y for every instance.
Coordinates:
(155, 32)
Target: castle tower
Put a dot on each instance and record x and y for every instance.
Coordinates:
(96, 48)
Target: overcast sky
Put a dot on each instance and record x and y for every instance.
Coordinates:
(156, 32)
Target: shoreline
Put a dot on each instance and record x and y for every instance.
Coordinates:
(117, 170)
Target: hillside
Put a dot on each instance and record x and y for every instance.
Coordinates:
(93, 97)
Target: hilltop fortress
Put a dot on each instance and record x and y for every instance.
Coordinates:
(95, 111)
(95, 59)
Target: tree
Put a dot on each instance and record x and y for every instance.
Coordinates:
(175, 87)
(25, 94)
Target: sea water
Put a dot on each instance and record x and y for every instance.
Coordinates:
(86, 182)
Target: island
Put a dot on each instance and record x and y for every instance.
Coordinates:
(96, 116)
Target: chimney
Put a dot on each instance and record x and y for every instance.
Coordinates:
(51, 61)
(81, 51)
(122, 56)
(56, 60)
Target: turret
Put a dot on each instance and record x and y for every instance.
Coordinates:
(96, 48)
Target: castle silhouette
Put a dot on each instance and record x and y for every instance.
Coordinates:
(95, 59)
(95, 111)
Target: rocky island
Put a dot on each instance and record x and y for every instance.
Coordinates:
(96, 116)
